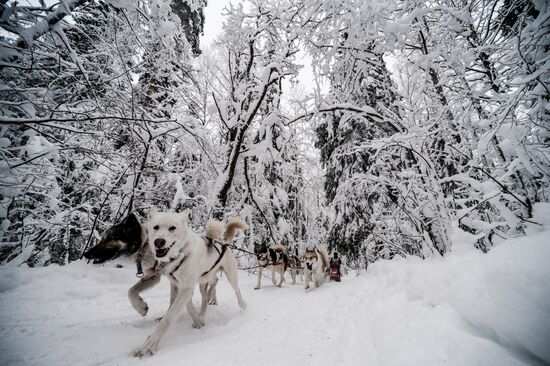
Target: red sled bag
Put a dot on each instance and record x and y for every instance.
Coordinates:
(335, 273)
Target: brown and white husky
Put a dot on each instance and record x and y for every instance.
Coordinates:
(295, 266)
(316, 262)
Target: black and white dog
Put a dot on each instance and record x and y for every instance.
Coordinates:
(129, 239)
(295, 266)
(274, 258)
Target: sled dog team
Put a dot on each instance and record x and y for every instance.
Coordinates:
(167, 246)
(316, 264)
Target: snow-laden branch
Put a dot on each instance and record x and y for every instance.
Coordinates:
(29, 35)
(42, 120)
(364, 111)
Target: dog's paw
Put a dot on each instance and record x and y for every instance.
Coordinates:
(147, 349)
(257, 288)
(142, 310)
(198, 323)
(242, 305)
(213, 302)
(138, 304)
(307, 287)
(141, 306)
(142, 353)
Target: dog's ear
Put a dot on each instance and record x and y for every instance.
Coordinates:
(260, 248)
(185, 215)
(153, 211)
(131, 219)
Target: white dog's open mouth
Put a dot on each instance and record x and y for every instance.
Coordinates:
(161, 252)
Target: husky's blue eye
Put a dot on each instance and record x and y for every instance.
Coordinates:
(172, 228)
(156, 227)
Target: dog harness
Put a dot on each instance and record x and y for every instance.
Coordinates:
(159, 265)
(221, 253)
(276, 257)
(162, 264)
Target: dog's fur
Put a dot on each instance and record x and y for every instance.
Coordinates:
(275, 259)
(128, 239)
(124, 238)
(316, 262)
(187, 258)
(295, 265)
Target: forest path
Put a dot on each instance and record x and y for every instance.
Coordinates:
(466, 309)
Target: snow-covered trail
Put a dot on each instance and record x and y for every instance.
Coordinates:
(465, 309)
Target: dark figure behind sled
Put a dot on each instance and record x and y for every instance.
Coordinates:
(335, 263)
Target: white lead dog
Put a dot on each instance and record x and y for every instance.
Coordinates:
(188, 258)
(316, 263)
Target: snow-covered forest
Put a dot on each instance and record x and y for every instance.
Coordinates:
(427, 122)
(412, 137)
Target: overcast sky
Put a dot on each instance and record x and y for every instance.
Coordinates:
(213, 20)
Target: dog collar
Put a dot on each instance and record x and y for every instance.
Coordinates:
(139, 268)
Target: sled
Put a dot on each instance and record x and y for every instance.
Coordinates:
(335, 273)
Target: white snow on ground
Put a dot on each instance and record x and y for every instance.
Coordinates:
(466, 309)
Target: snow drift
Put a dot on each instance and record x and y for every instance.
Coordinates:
(468, 308)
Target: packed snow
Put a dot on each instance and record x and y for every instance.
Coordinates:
(468, 308)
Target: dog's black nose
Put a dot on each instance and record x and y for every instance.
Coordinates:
(159, 243)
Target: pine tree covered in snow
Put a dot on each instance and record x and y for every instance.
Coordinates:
(472, 104)
(78, 136)
(353, 184)
(434, 127)
(361, 157)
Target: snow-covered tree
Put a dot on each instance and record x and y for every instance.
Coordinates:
(433, 132)
(79, 132)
